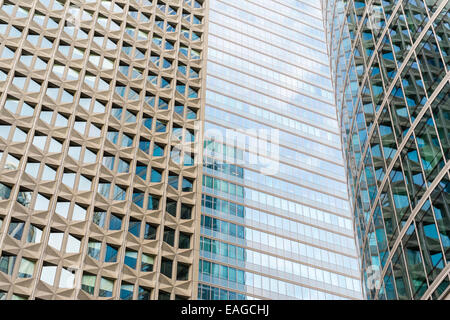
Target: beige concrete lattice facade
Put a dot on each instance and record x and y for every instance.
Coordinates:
(97, 199)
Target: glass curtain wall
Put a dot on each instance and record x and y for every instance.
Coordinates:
(275, 225)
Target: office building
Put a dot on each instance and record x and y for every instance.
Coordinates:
(276, 221)
(98, 188)
(390, 69)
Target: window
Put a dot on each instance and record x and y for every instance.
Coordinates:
(187, 185)
(186, 212)
(191, 114)
(48, 274)
(179, 109)
(7, 263)
(223, 272)
(166, 267)
(32, 168)
(69, 179)
(94, 248)
(119, 193)
(182, 271)
(73, 245)
(26, 268)
(150, 232)
(173, 181)
(113, 136)
(99, 218)
(130, 258)
(5, 192)
(62, 208)
(111, 254)
(55, 146)
(84, 184)
(126, 141)
(156, 176)
(115, 223)
(88, 283)
(134, 227)
(158, 150)
(147, 122)
(123, 167)
(144, 145)
(126, 291)
(15, 229)
(4, 131)
(163, 295)
(141, 171)
(184, 241)
(138, 198)
(11, 162)
(67, 279)
(153, 203)
(169, 236)
(106, 288)
(48, 174)
(41, 203)
(175, 154)
(171, 207)
(24, 197)
(55, 240)
(108, 161)
(160, 126)
(74, 152)
(143, 294)
(34, 234)
(147, 263)
(188, 159)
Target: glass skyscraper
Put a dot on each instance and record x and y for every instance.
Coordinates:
(391, 69)
(275, 224)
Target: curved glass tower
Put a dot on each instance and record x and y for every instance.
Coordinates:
(390, 67)
(97, 199)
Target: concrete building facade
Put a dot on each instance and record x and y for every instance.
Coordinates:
(98, 186)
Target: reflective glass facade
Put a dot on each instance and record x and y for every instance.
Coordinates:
(391, 69)
(285, 233)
